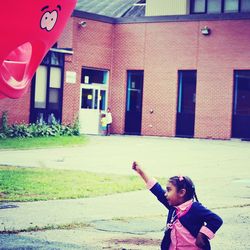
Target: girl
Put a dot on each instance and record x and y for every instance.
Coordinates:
(103, 124)
(189, 224)
(109, 121)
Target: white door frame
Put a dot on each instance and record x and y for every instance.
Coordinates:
(89, 119)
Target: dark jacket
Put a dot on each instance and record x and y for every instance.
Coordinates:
(193, 220)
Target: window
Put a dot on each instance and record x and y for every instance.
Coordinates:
(214, 6)
(199, 6)
(41, 87)
(55, 77)
(102, 99)
(187, 91)
(53, 58)
(94, 76)
(47, 89)
(245, 5)
(87, 99)
(94, 86)
(56, 59)
(231, 5)
(54, 99)
(55, 88)
(134, 92)
(219, 6)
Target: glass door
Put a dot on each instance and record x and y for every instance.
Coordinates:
(89, 98)
(93, 102)
(241, 106)
(134, 102)
(186, 103)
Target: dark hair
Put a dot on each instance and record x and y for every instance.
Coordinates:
(184, 182)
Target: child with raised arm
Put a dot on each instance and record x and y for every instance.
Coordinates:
(189, 226)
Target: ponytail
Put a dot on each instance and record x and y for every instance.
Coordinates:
(195, 196)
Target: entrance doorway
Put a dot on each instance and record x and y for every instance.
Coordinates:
(241, 105)
(186, 103)
(93, 101)
(134, 102)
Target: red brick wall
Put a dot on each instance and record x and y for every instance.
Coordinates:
(161, 49)
(128, 53)
(92, 47)
(70, 91)
(226, 50)
(169, 47)
(18, 109)
(66, 38)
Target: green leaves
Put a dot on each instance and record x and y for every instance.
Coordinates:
(39, 129)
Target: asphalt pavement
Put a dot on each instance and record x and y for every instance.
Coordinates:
(134, 220)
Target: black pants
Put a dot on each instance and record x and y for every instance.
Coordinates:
(108, 129)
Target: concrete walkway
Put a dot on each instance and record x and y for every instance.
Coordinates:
(220, 170)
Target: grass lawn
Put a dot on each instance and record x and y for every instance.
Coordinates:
(31, 184)
(41, 142)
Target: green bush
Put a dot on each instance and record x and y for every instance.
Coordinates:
(39, 129)
(76, 127)
(19, 130)
(2, 135)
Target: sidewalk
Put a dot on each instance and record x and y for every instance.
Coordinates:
(214, 166)
(220, 170)
(59, 212)
(109, 218)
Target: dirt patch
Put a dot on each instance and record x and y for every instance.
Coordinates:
(136, 241)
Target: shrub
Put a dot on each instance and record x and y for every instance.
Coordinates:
(39, 129)
(19, 130)
(2, 135)
(76, 127)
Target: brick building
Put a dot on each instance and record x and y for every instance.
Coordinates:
(182, 72)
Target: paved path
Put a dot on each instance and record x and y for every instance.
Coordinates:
(162, 156)
(220, 170)
(213, 165)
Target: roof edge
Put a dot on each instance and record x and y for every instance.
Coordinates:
(92, 16)
(183, 18)
(154, 19)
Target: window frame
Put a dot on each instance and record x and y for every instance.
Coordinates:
(47, 62)
(239, 5)
(192, 4)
